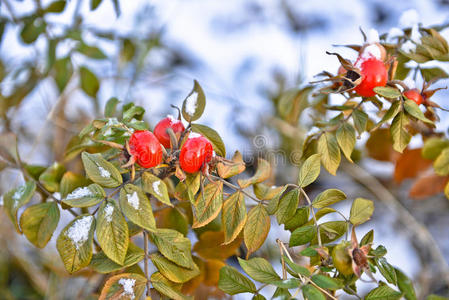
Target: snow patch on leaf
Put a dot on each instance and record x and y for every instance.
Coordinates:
(108, 210)
(133, 200)
(128, 287)
(78, 233)
(78, 193)
(192, 103)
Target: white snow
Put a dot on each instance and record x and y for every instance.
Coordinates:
(409, 82)
(191, 103)
(128, 286)
(108, 210)
(173, 120)
(78, 193)
(194, 135)
(57, 195)
(408, 46)
(103, 172)
(371, 51)
(415, 35)
(394, 33)
(156, 185)
(408, 18)
(18, 193)
(133, 199)
(78, 233)
(372, 36)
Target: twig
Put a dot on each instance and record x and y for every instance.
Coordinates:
(237, 188)
(313, 216)
(145, 249)
(385, 196)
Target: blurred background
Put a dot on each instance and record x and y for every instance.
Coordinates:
(248, 55)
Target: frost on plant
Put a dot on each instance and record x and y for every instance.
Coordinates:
(18, 194)
(103, 172)
(78, 233)
(128, 286)
(133, 200)
(194, 135)
(78, 193)
(191, 103)
(156, 186)
(109, 209)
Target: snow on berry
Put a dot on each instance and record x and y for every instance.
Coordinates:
(78, 193)
(191, 103)
(193, 135)
(173, 119)
(108, 210)
(372, 50)
(78, 233)
(133, 200)
(128, 287)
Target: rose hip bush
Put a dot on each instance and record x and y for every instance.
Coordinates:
(205, 218)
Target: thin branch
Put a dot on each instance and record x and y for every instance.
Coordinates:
(237, 188)
(145, 259)
(313, 216)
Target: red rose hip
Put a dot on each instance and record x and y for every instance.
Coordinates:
(374, 74)
(160, 131)
(146, 149)
(414, 95)
(195, 153)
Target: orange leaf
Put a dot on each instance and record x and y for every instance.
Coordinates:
(427, 186)
(213, 267)
(410, 164)
(379, 145)
(210, 246)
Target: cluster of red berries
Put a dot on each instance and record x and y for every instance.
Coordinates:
(146, 146)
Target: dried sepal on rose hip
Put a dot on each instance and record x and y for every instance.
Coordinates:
(161, 130)
(196, 153)
(145, 149)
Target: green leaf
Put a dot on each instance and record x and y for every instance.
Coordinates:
(431, 73)
(287, 206)
(136, 207)
(394, 109)
(405, 285)
(309, 171)
(39, 221)
(387, 92)
(131, 111)
(441, 164)
(383, 292)
(74, 243)
(435, 297)
(32, 29)
(111, 107)
(330, 153)
(208, 204)
(174, 246)
(256, 228)
(112, 232)
(232, 282)
(56, 6)
(297, 268)
(327, 283)
(91, 52)
(290, 283)
(328, 197)
(102, 264)
(63, 72)
(386, 270)
(212, 136)
(89, 82)
(312, 293)
(124, 286)
(330, 231)
(51, 177)
(172, 271)
(94, 4)
(16, 198)
(433, 147)
(360, 119)
(233, 216)
(259, 269)
(367, 238)
(399, 133)
(85, 196)
(302, 235)
(101, 171)
(71, 181)
(258, 297)
(413, 109)
(193, 106)
(155, 186)
(300, 218)
(346, 139)
(361, 211)
(281, 294)
(165, 287)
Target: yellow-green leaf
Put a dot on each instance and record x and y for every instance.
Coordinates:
(208, 204)
(328, 197)
(361, 211)
(172, 271)
(413, 109)
(39, 221)
(287, 206)
(262, 173)
(89, 82)
(232, 282)
(330, 153)
(309, 171)
(193, 106)
(233, 216)
(174, 246)
(74, 243)
(85, 196)
(51, 177)
(16, 198)
(102, 264)
(346, 139)
(101, 171)
(112, 232)
(165, 287)
(259, 269)
(155, 186)
(399, 133)
(256, 228)
(136, 207)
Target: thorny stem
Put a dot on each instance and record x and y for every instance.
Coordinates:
(237, 188)
(145, 249)
(301, 277)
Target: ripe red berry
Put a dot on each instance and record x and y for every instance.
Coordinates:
(145, 147)
(195, 153)
(160, 131)
(374, 74)
(414, 95)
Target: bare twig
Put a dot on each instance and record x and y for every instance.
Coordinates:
(313, 216)
(145, 249)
